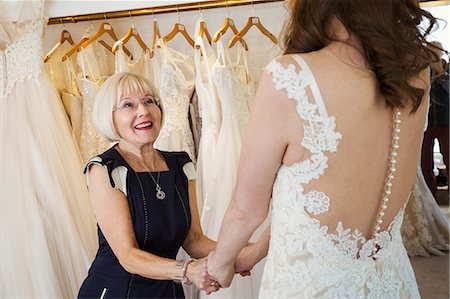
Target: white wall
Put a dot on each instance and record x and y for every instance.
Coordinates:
(442, 34)
(62, 8)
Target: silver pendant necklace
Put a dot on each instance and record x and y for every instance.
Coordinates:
(159, 193)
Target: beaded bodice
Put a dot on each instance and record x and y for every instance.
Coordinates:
(21, 59)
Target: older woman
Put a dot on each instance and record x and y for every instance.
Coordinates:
(144, 202)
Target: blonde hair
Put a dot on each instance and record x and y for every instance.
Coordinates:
(109, 95)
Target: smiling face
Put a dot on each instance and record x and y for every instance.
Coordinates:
(137, 119)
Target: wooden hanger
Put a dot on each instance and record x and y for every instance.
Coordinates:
(203, 30)
(178, 28)
(63, 37)
(156, 34)
(252, 21)
(132, 32)
(229, 24)
(74, 49)
(103, 28)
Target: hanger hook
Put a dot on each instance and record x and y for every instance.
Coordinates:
(153, 14)
(90, 21)
(62, 22)
(104, 15)
(200, 9)
(178, 12)
(131, 19)
(228, 8)
(253, 8)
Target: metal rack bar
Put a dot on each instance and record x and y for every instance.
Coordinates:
(156, 10)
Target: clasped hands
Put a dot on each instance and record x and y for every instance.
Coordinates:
(210, 277)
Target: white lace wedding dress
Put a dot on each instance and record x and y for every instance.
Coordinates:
(176, 86)
(47, 230)
(307, 259)
(209, 110)
(425, 228)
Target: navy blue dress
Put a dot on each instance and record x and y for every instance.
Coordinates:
(161, 227)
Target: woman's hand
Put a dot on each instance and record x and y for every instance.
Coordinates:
(223, 275)
(197, 273)
(247, 259)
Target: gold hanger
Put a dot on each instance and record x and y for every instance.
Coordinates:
(229, 24)
(156, 34)
(105, 27)
(132, 32)
(178, 28)
(63, 37)
(252, 21)
(203, 30)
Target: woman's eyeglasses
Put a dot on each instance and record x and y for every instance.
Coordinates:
(128, 105)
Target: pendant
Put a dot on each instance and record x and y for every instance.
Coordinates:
(159, 193)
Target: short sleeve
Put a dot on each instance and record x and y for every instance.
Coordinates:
(117, 173)
(185, 163)
(189, 171)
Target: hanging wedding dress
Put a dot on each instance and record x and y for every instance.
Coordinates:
(231, 80)
(96, 66)
(220, 79)
(177, 80)
(47, 230)
(209, 110)
(425, 229)
(145, 66)
(63, 76)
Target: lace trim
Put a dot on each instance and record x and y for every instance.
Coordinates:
(22, 60)
(319, 132)
(350, 243)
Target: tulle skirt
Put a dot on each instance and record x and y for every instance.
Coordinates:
(47, 229)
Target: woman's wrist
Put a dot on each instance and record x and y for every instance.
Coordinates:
(183, 266)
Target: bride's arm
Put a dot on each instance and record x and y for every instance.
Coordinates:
(262, 153)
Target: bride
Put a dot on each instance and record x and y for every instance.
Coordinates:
(333, 145)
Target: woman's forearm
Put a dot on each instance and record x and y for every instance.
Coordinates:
(145, 264)
(199, 246)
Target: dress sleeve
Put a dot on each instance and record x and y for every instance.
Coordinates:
(117, 173)
(189, 171)
(186, 164)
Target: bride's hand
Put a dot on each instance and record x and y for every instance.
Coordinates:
(197, 273)
(223, 275)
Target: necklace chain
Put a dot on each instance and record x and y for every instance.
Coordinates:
(160, 194)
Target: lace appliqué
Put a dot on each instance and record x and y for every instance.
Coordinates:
(176, 110)
(22, 60)
(320, 136)
(316, 202)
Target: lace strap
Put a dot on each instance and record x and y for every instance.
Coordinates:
(243, 53)
(313, 84)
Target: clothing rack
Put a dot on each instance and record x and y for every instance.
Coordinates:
(178, 8)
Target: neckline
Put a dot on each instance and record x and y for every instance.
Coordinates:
(144, 172)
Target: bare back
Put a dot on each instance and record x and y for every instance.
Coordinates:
(355, 177)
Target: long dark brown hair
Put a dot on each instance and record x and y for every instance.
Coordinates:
(394, 45)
